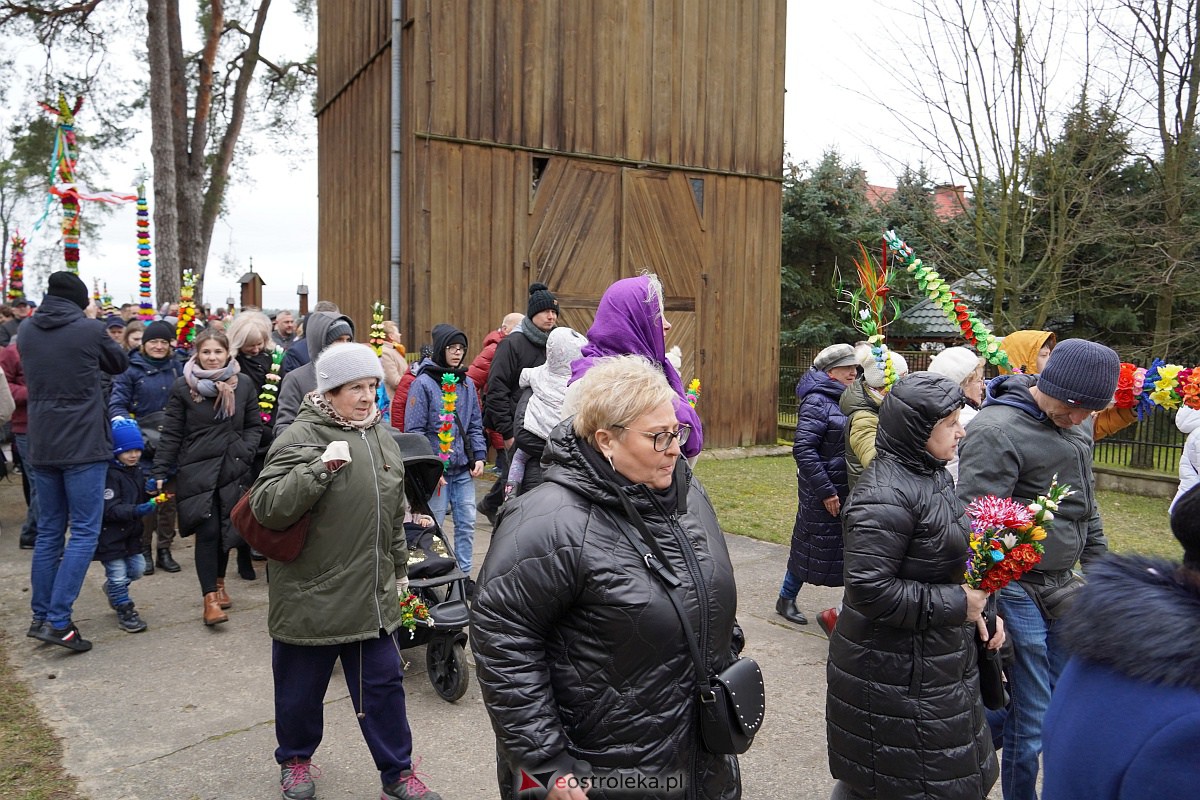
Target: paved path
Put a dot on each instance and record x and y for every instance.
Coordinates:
(185, 712)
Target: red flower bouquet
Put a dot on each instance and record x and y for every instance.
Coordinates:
(1006, 537)
(412, 611)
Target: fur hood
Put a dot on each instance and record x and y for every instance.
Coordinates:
(1140, 617)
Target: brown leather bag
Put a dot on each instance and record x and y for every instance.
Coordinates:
(284, 545)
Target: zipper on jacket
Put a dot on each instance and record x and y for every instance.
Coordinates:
(378, 522)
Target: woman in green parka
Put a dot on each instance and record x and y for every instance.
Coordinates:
(339, 599)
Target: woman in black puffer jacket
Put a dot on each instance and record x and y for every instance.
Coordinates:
(904, 716)
(582, 659)
(210, 435)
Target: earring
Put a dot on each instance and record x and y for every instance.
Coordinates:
(614, 468)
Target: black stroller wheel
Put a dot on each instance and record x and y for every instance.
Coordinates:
(446, 662)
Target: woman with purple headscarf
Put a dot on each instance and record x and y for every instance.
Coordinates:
(630, 321)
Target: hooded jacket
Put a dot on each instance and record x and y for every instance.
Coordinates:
(144, 387)
(342, 586)
(211, 456)
(303, 379)
(1188, 422)
(1014, 450)
(64, 355)
(548, 383)
(1124, 720)
(1022, 348)
(580, 653)
(820, 453)
(861, 408)
(481, 367)
(626, 324)
(423, 407)
(904, 716)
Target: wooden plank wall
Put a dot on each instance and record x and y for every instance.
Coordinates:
(695, 83)
(623, 102)
(353, 131)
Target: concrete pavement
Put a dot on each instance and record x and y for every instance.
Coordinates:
(186, 712)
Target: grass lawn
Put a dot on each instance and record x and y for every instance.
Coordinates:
(30, 755)
(756, 497)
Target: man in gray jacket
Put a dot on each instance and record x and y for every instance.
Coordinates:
(321, 330)
(1031, 430)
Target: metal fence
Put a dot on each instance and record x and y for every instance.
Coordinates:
(1153, 444)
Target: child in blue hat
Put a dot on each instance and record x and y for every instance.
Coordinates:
(120, 545)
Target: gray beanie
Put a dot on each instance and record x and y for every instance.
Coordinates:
(1081, 374)
(339, 328)
(344, 362)
(836, 355)
(956, 363)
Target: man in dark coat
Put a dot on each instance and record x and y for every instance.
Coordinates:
(70, 444)
(820, 453)
(524, 347)
(1031, 431)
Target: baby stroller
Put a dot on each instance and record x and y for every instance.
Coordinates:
(434, 576)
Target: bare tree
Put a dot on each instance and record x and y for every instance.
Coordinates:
(199, 103)
(1162, 43)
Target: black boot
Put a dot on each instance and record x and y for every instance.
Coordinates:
(148, 557)
(245, 566)
(786, 608)
(166, 562)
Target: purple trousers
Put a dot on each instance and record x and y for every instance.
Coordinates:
(375, 678)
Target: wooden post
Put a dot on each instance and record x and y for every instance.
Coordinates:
(302, 294)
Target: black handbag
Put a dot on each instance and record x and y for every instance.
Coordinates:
(991, 665)
(151, 426)
(732, 703)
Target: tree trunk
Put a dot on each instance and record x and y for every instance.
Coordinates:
(165, 241)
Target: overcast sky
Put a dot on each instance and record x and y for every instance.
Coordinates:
(273, 204)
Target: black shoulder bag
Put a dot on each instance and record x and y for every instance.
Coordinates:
(732, 703)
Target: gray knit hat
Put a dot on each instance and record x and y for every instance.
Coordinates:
(836, 355)
(1081, 374)
(344, 362)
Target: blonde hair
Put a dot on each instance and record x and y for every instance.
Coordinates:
(249, 327)
(616, 391)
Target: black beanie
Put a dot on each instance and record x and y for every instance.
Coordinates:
(444, 335)
(68, 286)
(540, 298)
(1185, 524)
(158, 330)
(1081, 374)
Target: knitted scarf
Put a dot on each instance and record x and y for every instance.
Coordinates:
(534, 334)
(217, 383)
(326, 409)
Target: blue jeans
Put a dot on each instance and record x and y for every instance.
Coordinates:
(459, 492)
(119, 573)
(1038, 660)
(74, 493)
(791, 586)
(29, 528)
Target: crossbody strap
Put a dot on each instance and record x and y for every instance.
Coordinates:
(656, 561)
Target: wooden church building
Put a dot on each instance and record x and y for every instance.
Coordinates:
(570, 143)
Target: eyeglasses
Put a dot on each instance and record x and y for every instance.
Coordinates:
(663, 439)
(455, 348)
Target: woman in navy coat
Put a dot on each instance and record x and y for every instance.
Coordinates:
(820, 453)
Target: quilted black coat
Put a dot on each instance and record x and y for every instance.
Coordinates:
(820, 453)
(212, 455)
(904, 716)
(581, 656)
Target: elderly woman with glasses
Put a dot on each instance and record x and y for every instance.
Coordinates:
(582, 659)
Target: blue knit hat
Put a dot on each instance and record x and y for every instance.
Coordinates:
(126, 435)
